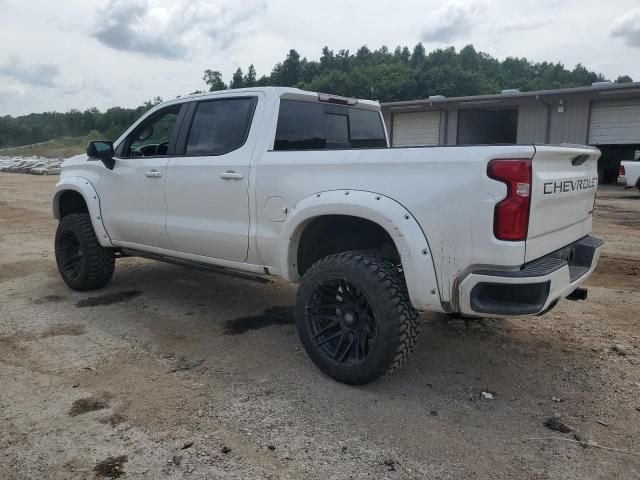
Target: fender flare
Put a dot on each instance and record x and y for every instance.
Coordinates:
(84, 187)
(395, 219)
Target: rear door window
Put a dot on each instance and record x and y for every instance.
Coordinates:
(321, 126)
(220, 126)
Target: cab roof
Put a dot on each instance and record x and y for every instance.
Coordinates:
(288, 93)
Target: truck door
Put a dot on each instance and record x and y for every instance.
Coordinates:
(208, 181)
(132, 195)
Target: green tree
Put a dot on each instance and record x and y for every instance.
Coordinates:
(405, 55)
(213, 79)
(250, 77)
(237, 81)
(149, 104)
(418, 55)
(113, 133)
(287, 73)
(469, 58)
(263, 81)
(363, 55)
(624, 79)
(326, 59)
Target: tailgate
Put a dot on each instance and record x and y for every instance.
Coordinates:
(563, 191)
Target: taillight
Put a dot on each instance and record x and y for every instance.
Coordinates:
(511, 215)
(621, 172)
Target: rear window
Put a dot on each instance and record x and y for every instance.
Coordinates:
(321, 126)
(220, 126)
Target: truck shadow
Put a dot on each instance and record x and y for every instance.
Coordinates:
(233, 322)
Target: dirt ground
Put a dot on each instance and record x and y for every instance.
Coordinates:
(175, 373)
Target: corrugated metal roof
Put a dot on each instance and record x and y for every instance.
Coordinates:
(617, 89)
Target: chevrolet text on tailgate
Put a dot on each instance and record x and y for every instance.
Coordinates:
(280, 182)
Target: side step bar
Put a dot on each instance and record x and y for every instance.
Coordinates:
(126, 252)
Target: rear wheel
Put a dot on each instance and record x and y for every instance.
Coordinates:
(354, 317)
(83, 263)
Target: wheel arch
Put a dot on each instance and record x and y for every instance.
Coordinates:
(76, 188)
(390, 216)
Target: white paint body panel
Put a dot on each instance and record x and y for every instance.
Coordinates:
(208, 215)
(86, 186)
(436, 203)
(394, 218)
(631, 177)
(561, 212)
(134, 202)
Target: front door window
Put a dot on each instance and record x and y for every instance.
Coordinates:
(152, 138)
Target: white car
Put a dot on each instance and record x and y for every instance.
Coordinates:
(31, 165)
(280, 182)
(7, 165)
(629, 174)
(46, 170)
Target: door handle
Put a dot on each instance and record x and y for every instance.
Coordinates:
(231, 175)
(152, 174)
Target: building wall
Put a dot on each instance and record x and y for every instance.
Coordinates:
(532, 122)
(569, 126)
(452, 127)
(444, 119)
(572, 125)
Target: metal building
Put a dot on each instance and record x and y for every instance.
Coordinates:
(605, 115)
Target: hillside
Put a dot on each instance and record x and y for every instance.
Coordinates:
(62, 147)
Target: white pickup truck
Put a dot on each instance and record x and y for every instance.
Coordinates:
(629, 174)
(303, 186)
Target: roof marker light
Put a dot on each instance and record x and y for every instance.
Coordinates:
(325, 97)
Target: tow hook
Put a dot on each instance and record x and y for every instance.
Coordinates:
(578, 294)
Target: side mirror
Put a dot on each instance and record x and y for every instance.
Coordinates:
(102, 150)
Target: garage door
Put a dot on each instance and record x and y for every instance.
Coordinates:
(422, 128)
(615, 122)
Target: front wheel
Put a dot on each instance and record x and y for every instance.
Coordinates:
(83, 263)
(354, 317)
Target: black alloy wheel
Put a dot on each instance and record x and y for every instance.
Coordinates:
(342, 322)
(83, 263)
(69, 254)
(354, 317)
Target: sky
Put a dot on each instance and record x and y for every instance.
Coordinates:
(77, 54)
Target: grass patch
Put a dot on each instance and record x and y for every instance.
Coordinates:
(62, 147)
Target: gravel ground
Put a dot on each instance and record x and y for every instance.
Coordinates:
(174, 373)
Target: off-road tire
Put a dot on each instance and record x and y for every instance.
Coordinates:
(384, 287)
(96, 264)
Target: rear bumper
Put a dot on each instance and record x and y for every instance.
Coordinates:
(532, 289)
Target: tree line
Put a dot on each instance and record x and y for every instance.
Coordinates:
(382, 74)
(40, 127)
(406, 74)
